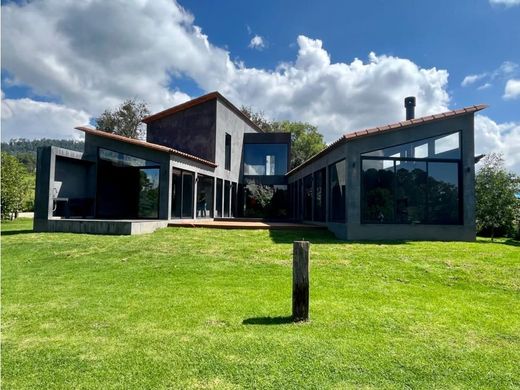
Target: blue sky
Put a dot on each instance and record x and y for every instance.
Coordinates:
(64, 62)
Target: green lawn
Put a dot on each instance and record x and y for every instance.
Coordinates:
(198, 308)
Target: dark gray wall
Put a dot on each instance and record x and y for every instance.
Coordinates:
(191, 130)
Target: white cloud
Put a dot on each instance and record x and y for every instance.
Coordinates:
(507, 3)
(257, 42)
(498, 138)
(484, 86)
(512, 90)
(338, 97)
(472, 78)
(26, 118)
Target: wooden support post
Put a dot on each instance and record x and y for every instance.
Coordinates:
(300, 292)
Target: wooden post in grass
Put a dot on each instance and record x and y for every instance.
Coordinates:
(300, 291)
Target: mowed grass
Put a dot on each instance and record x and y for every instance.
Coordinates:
(202, 308)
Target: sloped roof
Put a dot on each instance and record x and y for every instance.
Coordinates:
(391, 127)
(195, 102)
(144, 144)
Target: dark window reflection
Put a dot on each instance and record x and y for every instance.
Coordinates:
(218, 199)
(204, 196)
(443, 193)
(187, 195)
(148, 193)
(176, 193)
(319, 195)
(337, 187)
(265, 159)
(227, 194)
(265, 201)
(445, 146)
(307, 198)
(378, 204)
(410, 191)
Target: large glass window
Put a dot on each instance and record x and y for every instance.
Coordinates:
(176, 193)
(307, 198)
(227, 191)
(337, 188)
(415, 183)
(443, 193)
(204, 196)
(187, 195)
(319, 195)
(378, 190)
(265, 159)
(148, 193)
(218, 199)
(227, 162)
(445, 146)
(127, 186)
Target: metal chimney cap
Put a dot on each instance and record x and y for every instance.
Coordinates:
(409, 101)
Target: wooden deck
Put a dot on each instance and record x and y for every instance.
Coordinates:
(241, 224)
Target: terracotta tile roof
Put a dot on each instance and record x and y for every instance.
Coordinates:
(145, 144)
(391, 127)
(202, 99)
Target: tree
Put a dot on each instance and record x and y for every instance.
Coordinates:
(306, 141)
(14, 186)
(495, 189)
(126, 120)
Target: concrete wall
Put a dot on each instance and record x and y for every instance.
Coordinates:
(351, 151)
(230, 123)
(191, 131)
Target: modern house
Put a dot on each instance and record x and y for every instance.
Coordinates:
(205, 159)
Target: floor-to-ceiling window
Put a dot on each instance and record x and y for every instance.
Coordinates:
(204, 196)
(307, 198)
(218, 199)
(337, 188)
(127, 186)
(227, 193)
(413, 183)
(319, 195)
(187, 195)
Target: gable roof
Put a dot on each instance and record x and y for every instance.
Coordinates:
(195, 102)
(391, 127)
(144, 144)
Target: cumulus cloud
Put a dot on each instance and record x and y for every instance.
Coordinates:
(507, 3)
(512, 90)
(93, 54)
(498, 138)
(339, 97)
(26, 118)
(257, 42)
(472, 78)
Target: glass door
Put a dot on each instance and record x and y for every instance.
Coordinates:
(187, 195)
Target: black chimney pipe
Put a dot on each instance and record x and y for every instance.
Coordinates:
(409, 103)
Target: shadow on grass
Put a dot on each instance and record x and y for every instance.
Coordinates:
(16, 232)
(509, 241)
(320, 237)
(268, 320)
